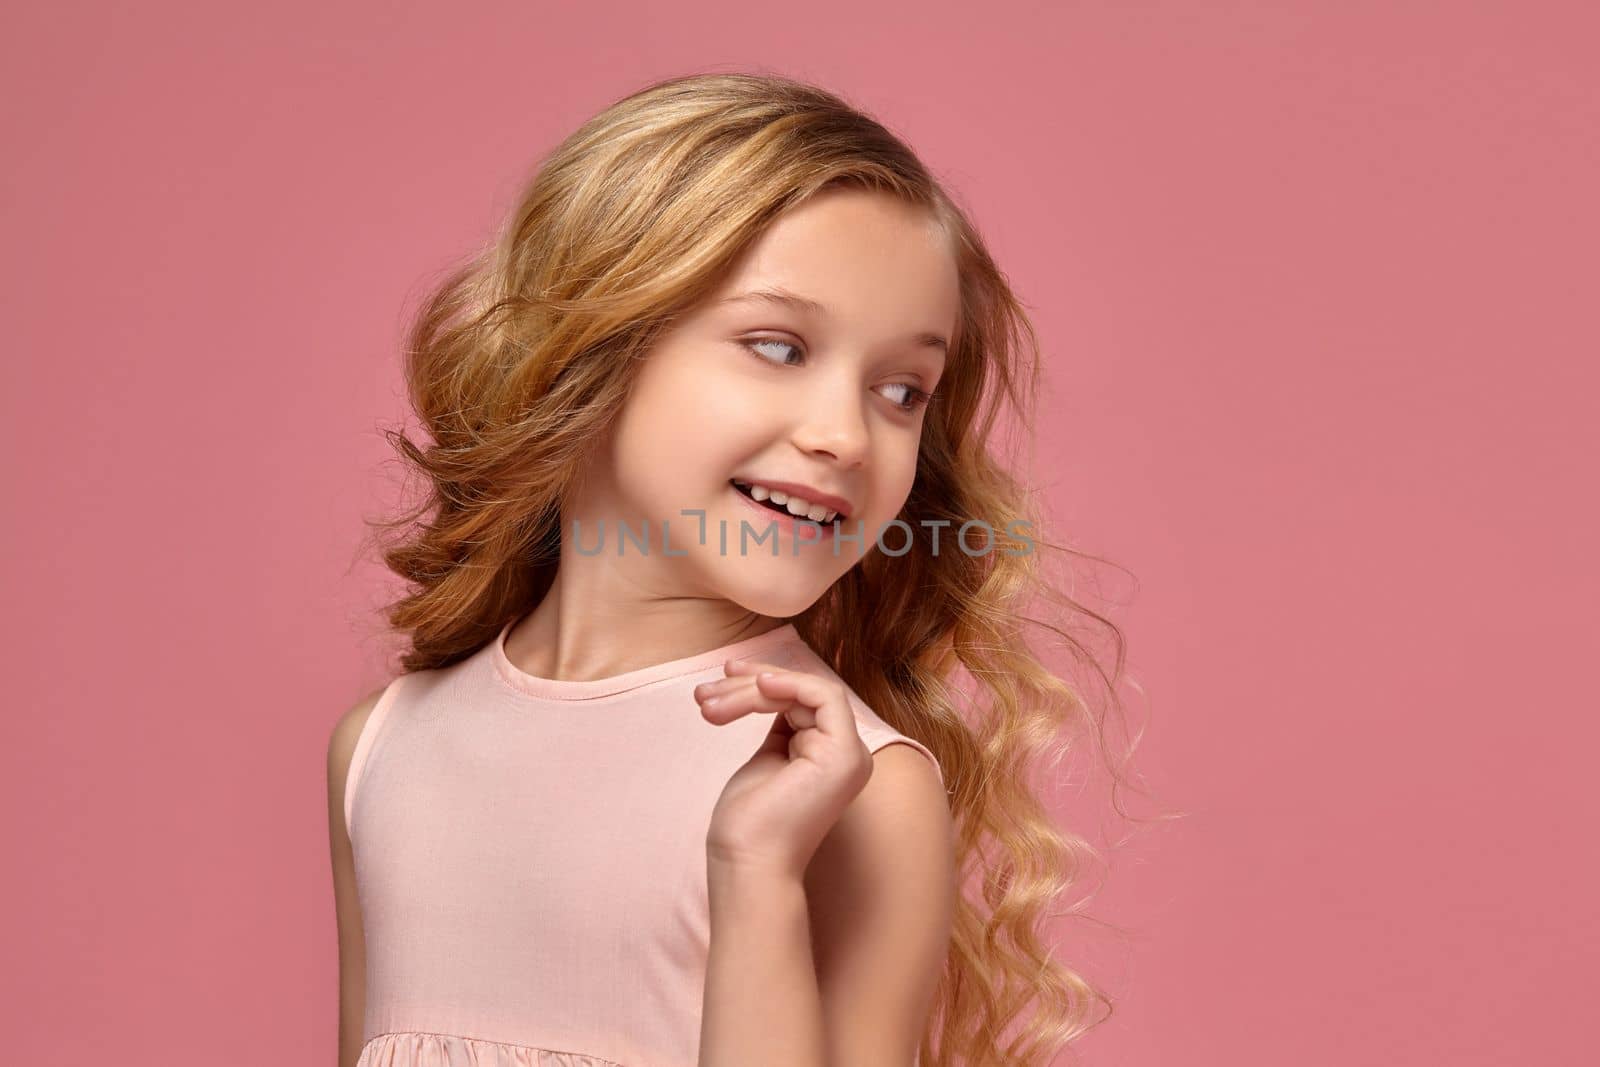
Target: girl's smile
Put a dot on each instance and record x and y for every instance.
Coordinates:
(770, 514)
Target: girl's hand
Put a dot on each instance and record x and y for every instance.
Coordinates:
(776, 809)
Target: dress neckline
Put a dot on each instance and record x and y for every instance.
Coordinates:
(595, 688)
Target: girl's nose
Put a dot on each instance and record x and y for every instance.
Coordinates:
(834, 422)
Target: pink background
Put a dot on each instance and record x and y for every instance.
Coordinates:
(1316, 282)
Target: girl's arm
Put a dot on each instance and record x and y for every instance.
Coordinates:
(347, 911)
(837, 969)
(761, 999)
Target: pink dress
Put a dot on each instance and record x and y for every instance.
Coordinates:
(530, 858)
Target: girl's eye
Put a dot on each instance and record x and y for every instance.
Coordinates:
(756, 344)
(912, 399)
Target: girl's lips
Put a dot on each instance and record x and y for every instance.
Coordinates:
(787, 524)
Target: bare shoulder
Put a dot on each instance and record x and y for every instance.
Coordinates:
(902, 818)
(899, 833)
(908, 780)
(342, 741)
(347, 907)
(895, 845)
(882, 891)
(898, 828)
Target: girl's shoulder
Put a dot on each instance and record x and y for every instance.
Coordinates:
(346, 735)
(351, 740)
(877, 733)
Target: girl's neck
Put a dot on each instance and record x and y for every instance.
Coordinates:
(567, 639)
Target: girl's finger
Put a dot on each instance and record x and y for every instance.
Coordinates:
(807, 745)
(801, 717)
(822, 695)
(725, 707)
(747, 667)
(720, 686)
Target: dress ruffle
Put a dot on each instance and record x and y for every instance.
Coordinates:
(412, 1048)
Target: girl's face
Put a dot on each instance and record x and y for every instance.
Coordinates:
(763, 390)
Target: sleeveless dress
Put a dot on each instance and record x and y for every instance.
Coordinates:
(530, 857)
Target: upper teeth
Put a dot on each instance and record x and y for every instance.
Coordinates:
(795, 505)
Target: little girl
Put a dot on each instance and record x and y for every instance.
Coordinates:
(677, 771)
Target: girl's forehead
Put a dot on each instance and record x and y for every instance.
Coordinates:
(869, 260)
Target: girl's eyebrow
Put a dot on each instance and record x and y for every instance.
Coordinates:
(781, 296)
